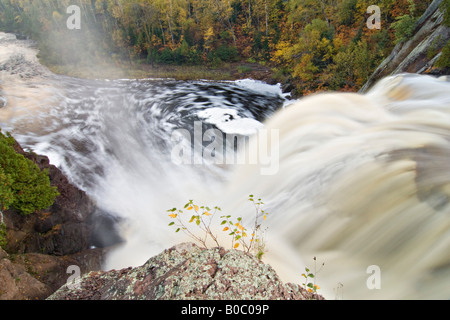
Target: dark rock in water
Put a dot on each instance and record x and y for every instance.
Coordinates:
(104, 230)
(2, 101)
(20, 36)
(187, 272)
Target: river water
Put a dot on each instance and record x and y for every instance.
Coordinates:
(362, 182)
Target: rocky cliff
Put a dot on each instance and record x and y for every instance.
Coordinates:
(421, 52)
(42, 245)
(187, 272)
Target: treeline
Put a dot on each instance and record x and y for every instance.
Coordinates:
(319, 44)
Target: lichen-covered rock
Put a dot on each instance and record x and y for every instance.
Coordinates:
(187, 272)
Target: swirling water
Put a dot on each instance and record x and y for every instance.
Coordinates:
(113, 139)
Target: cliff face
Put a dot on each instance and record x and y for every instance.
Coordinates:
(420, 53)
(187, 272)
(61, 230)
(42, 245)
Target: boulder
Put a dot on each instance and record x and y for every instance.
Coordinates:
(187, 272)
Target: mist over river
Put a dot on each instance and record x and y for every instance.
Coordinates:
(360, 180)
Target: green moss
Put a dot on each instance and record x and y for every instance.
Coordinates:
(445, 6)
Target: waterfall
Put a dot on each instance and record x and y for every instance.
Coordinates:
(364, 180)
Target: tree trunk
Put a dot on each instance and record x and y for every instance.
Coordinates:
(162, 32)
(266, 9)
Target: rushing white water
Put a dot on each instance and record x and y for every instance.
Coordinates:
(362, 180)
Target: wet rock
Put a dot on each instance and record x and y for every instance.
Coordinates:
(3, 101)
(187, 272)
(20, 66)
(105, 231)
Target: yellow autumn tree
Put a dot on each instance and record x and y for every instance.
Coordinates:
(208, 37)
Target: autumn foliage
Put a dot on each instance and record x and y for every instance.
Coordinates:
(197, 223)
(317, 45)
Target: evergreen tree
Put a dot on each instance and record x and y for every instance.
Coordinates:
(23, 186)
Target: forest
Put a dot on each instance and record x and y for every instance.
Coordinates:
(316, 44)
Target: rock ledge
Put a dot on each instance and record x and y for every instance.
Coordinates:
(187, 272)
